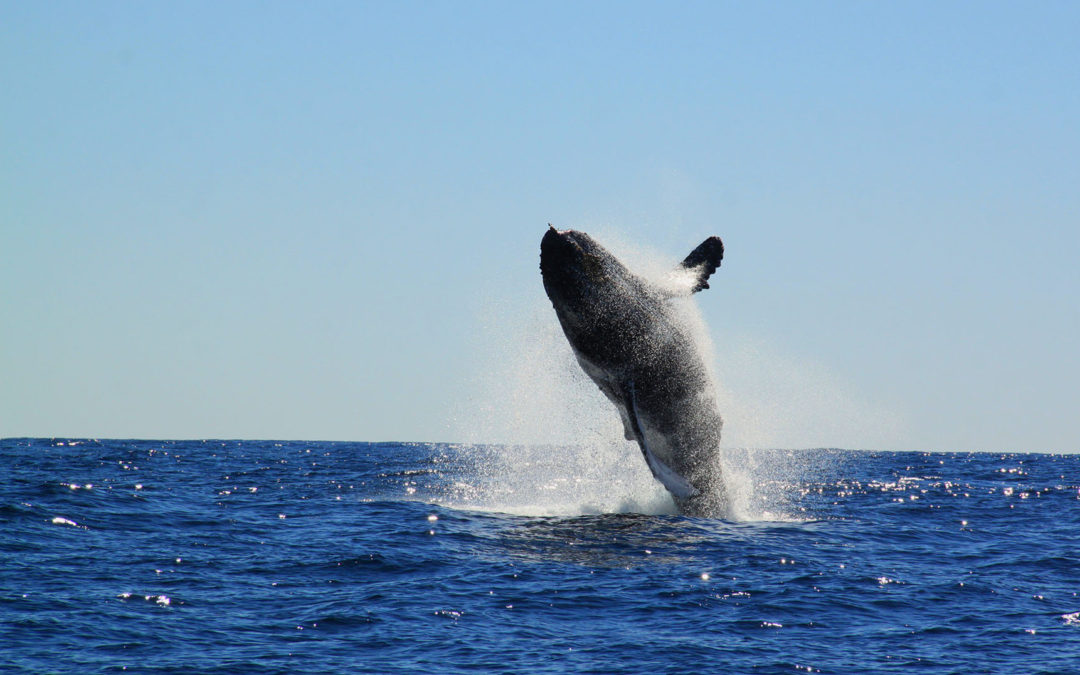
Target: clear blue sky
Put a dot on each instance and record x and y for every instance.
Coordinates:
(288, 220)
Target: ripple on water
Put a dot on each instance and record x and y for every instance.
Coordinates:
(363, 576)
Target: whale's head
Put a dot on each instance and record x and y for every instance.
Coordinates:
(574, 266)
(580, 276)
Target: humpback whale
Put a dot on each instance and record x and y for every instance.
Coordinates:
(631, 342)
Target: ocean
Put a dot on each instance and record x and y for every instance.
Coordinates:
(321, 557)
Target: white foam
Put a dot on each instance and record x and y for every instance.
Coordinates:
(558, 442)
(545, 441)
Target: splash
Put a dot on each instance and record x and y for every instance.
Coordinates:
(540, 437)
(546, 441)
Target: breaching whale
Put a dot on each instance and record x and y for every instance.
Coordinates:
(629, 339)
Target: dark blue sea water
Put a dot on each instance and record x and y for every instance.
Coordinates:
(263, 557)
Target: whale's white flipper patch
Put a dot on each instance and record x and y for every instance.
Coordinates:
(675, 484)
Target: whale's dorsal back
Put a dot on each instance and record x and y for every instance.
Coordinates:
(703, 261)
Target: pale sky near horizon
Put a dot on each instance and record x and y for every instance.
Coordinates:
(312, 220)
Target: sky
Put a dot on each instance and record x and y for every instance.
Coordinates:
(314, 220)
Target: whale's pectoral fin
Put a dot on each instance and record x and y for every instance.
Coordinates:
(703, 261)
(621, 399)
(675, 484)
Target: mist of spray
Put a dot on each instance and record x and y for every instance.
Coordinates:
(541, 438)
(545, 441)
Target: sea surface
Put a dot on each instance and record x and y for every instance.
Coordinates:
(294, 557)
